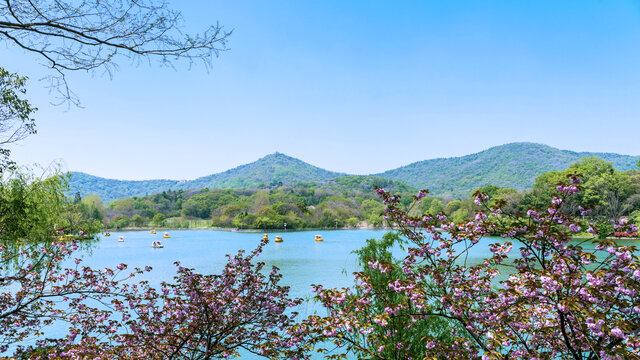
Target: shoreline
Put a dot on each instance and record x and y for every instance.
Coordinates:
(608, 238)
(249, 230)
(268, 231)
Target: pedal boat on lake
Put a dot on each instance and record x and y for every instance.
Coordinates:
(265, 237)
(166, 235)
(152, 232)
(278, 239)
(121, 239)
(157, 245)
(107, 234)
(319, 238)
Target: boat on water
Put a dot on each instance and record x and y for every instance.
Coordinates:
(166, 235)
(265, 237)
(278, 239)
(152, 232)
(107, 234)
(319, 238)
(157, 245)
(121, 239)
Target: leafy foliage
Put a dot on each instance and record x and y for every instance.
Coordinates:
(36, 210)
(16, 122)
(513, 165)
(383, 324)
(559, 300)
(349, 201)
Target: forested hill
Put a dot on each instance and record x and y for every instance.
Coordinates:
(342, 201)
(111, 189)
(514, 165)
(272, 170)
(276, 169)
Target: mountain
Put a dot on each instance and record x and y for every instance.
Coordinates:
(273, 169)
(111, 189)
(513, 165)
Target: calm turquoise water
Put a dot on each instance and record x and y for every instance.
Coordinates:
(301, 260)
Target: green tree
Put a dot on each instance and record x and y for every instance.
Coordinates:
(461, 215)
(159, 219)
(199, 205)
(91, 207)
(609, 192)
(123, 205)
(120, 221)
(436, 206)
(372, 211)
(404, 336)
(33, 209)
(244, 221)
(606, 190)
(452, 206)
(16, 122)
(137, 220)
(30, 208)
(634, 217)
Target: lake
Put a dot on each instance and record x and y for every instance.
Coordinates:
(301, 260)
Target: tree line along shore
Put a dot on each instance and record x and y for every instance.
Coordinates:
(351, 203)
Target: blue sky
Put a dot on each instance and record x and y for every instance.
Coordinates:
(355, 86)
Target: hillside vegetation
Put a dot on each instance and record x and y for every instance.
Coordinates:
(513, 165)
(346, 201)
(273, 169)
(350, 201)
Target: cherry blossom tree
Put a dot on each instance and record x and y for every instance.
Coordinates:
(558, 299)
(112, 316)
(35, 291)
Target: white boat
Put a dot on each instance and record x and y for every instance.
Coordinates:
(157, 245)
(121, 239)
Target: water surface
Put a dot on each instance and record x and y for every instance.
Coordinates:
(301, 260)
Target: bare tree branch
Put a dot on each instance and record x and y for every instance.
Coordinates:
(89, 35)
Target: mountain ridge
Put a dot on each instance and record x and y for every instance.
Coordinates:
(272, 169)
(510, 165)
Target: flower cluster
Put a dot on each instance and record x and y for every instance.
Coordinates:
(559, 299)
(112, 316)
